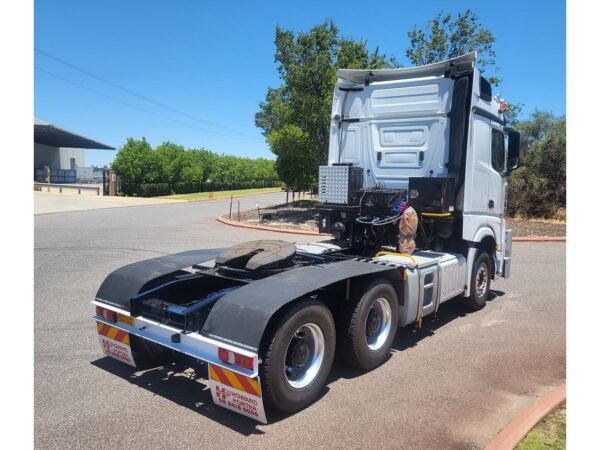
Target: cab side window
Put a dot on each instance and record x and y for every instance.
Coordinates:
(497, 150)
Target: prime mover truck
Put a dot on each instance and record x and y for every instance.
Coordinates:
(267, 317)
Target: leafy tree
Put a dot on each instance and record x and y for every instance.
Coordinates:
(538, 187)
(296, 157)
(512, 115)
(307, 64)
(136, 163)
(192, 169)
(264, 169)
(534, 129)
(275, 111)
(446, 37)
(170, 158)
(208, 160)
(170, 167)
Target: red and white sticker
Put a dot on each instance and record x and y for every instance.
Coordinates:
(236, 392)
(115, 343)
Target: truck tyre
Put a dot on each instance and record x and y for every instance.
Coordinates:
(367, 325)
(299, 356)
(480, 282)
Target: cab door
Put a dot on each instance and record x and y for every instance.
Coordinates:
(484, 186)
(497, 183)
(477, 173)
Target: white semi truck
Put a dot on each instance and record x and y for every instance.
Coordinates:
(267, 317)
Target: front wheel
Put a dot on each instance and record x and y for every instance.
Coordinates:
(368, 324)
(299, 356)
(480, 282)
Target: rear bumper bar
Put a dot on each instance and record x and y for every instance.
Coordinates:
(191, 344)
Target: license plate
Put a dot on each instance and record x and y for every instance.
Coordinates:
(236, 392)
(126, 319)
(115, 343)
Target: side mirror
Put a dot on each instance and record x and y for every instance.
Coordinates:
(514, 147)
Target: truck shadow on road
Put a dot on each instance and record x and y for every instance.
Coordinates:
(409, 336)
(186, 384)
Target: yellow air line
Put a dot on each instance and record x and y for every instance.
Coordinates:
(426, 214)
(378, 254)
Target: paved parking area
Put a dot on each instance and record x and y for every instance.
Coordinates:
(453, 384)
(53, 202)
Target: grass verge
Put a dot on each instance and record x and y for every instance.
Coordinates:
(550, 433)
(220, 194)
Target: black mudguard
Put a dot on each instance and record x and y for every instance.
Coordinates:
(241, 317)
(128, 281)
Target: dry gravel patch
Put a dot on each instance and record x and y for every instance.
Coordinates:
(301, 215)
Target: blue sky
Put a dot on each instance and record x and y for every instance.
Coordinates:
(214, 61)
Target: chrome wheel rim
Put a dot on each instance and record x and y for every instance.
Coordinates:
(378, 324)
(304, 355)
(481, 280)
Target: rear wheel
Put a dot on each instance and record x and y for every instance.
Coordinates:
(480, 282)
(299, 356)
(368, 324)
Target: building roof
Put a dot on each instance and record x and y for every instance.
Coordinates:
(460, 63)
(48, 134)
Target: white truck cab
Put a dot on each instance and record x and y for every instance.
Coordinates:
(437, 134)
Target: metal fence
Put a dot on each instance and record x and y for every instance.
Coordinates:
(56, 175)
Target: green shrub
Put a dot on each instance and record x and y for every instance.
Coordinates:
(146, 171)
(153, 189)
(538, 187)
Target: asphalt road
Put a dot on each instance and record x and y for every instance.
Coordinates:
(453, 384)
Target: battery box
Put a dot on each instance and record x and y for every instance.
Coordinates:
(433, 194)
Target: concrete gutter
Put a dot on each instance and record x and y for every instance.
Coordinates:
(166, 197)
(235, 223)
(516, 430)
(540, 238)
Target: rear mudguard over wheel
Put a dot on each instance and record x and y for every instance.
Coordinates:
(299, 356)
(367, 324)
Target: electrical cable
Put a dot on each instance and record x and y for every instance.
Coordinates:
(380, 222)
(136, 94)
(66, 80)
(360, 202)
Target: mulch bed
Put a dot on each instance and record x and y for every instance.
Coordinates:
(300, 215)
(534, 227)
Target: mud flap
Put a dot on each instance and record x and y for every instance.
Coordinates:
(115, 343)
(236, 392)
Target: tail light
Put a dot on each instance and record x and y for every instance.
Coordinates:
(229, 357)
(106, 313)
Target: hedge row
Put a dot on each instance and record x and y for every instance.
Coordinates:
(156, 189)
